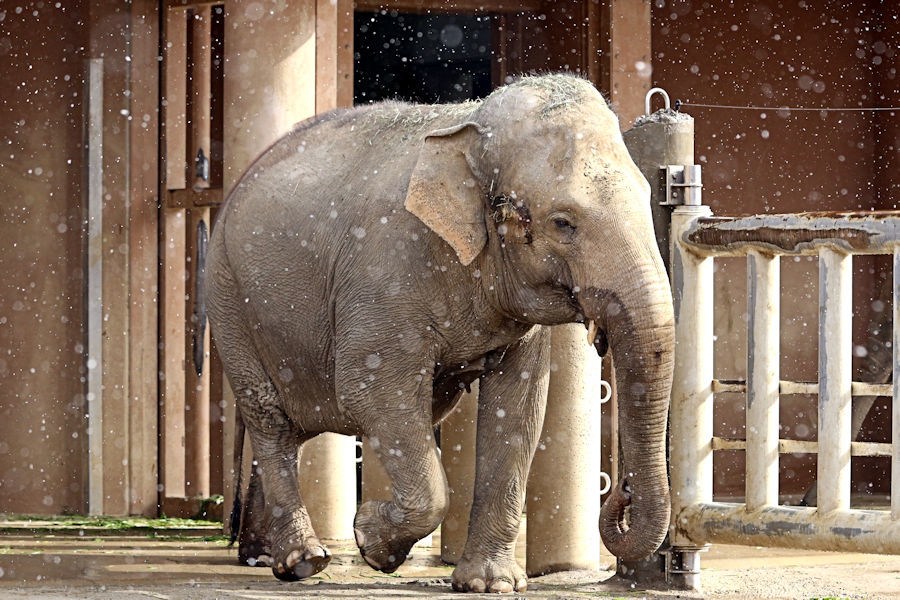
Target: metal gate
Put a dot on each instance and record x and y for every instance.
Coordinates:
(690, 239)
(698, 239)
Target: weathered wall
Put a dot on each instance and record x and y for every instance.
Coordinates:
(42, 407)
(753, 54)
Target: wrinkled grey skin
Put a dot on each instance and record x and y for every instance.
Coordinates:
(375, 261)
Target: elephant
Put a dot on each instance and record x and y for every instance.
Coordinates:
(375, 261)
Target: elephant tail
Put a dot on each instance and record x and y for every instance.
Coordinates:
(234, 524)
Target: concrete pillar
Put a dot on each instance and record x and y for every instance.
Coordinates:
(328, 484)
(270, 84)
(563, 493)
(458, 435)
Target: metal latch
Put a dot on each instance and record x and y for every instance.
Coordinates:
(684, 185)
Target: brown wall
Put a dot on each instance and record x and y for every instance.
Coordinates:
(42, 407)
(751, 54)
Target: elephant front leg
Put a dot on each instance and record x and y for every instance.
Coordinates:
(510, 414)
(396, 418)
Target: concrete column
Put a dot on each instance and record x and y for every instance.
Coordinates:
(458, 435)
(563, 493)
(270, 84)
(328, 484)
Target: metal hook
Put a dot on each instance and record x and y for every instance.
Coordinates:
(649, 95)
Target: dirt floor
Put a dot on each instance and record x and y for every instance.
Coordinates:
(95, 564)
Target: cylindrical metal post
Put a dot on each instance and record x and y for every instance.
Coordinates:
(691, 413)
(563, 492)
(458, 435)
(664, 138)
(763, 298)
(328, 484)
(895, 410)
(835, 377)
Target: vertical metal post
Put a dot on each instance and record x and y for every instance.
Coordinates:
(94, 301)
(664, 138)
(895, 404)
(835, 360)
(763, 283)
(691, 416)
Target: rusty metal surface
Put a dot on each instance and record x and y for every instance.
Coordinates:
(864, 232)
(807, 447)
(785, 388)
(791, 527)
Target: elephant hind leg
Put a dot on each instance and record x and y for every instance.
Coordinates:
(277, 525)
(276, 529)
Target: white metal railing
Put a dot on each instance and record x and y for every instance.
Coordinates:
(697, 239)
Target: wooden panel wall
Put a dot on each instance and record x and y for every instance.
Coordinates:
(42, 405)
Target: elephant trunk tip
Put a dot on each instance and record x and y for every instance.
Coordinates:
(628, 544)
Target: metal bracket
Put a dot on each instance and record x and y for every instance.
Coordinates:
(684, 562)
(684, 184)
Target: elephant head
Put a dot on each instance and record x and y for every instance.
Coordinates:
(537, 194)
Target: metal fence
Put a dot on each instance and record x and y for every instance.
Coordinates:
(697, 239)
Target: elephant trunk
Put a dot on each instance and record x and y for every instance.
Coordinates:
(639, 323)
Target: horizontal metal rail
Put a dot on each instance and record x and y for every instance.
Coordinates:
(788, 388)
(874, 232)
(871, 531)
(807, 447)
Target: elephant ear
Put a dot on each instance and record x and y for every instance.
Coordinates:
(444, 192)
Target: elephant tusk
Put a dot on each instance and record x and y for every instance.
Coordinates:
(592, 332)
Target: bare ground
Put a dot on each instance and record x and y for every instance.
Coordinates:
(49, 566)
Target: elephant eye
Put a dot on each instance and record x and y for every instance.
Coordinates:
(563, 223)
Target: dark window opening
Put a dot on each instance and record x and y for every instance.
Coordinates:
(421, 57)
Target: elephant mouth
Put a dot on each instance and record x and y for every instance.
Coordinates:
(596, 337)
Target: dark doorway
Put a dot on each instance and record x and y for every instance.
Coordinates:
(427, 58)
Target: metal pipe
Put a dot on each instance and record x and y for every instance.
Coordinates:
(763, 285)
(870, 531)
(691, 416)
(835, 375)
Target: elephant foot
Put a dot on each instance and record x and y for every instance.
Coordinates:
(380, 543)
(254, 554)
(489, 575)
(304, 562)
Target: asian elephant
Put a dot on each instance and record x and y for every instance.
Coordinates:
(375, 261)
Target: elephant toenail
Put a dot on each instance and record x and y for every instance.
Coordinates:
(360, 537)
(292, 559)
(501, 587)
(521, 585)
(477, 586)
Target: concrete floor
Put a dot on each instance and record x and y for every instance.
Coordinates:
(53, 564)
